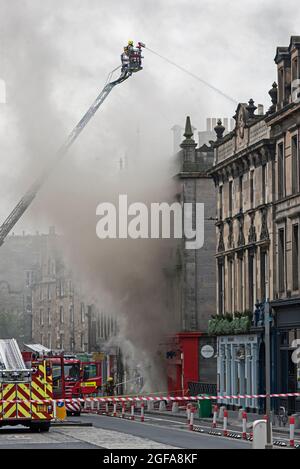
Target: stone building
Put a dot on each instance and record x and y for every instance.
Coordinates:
(284, 127)
(256, 172)
(193, 280)
(62, 318)
(18, 263)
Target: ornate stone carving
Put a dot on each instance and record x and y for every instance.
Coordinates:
(241, 238)
(221, 246)
(264, 234)
(252, 238)
(230, 239)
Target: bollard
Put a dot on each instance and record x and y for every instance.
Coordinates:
(142, 412)
(150, 405)
(214, 424)
(244, 417)
(191, 424)
(132, 411)
(188, 413)
(225, 423)
(115, 410)
(123, 410)
(106, 408)
(162, 406)
(292, 432)
(175, 407)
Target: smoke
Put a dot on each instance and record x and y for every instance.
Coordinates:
(55, 56)
(125, 278)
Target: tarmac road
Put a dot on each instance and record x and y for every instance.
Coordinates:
(157, 432)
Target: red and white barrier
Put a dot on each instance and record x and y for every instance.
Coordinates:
(154, 398)
(188, 413)
(191, 424)
(215, 414)
(132, 411)
(123, 410)
(244, 420)
(142, 412)
(115, 409)
(225, 423)
(292, 432)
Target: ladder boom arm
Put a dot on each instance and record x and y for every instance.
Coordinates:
(27, 199)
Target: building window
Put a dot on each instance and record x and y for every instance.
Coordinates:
(295, 256)
(41, 339)
(221, 202)
(264, 183)
(61, 314)
(281, 170)
(82, 312)
(263, 274)
(49, 340)
(230, 285)
(281, 260)
(221, 287)
(72, 344)
(71, 313)
(241, 192)
(241, 283)
(230, 197)
(41, 317)
(49, 316)
(251, 189)
(49, 292)
(82, 341)
(295, 165)
(61, 341)
(251, 280)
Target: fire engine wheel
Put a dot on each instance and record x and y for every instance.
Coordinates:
(39, 427)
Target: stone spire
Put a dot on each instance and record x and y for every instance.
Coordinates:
(273, 93)
(219, 129)
(188, 145)
(251, 108)
(188, 133)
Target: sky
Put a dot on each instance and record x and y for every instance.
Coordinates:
(55, 56)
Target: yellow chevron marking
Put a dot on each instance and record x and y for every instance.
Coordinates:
(37, 388)
(8, 413)
(23, 412)
(7, 389)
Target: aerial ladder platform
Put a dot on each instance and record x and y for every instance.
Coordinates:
(131, 64)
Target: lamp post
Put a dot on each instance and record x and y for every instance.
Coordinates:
(268, 319)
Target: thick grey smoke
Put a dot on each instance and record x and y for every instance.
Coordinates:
(55, 56)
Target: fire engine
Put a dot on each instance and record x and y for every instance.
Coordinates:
(72, 378)
(25, 391)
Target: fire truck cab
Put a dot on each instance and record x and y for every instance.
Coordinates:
(25, 389)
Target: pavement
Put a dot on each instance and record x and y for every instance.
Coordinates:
(157, 432)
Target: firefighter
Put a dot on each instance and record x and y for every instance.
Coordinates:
(125, 60)
(110, 387)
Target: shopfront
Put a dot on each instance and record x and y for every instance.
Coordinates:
(238, 370)
(287, 319)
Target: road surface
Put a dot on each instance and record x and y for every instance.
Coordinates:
(157, 432)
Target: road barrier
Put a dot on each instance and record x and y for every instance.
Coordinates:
(192, 413)
(244, 423)
(215, 415)
(132, 411)
(142, 412)
(225, 423)
(155, 398)
(188, 413)
(292, 432)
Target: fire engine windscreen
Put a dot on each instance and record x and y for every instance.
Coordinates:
(10, 355)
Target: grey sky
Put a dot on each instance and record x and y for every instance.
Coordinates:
(56, 54)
